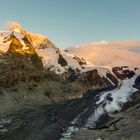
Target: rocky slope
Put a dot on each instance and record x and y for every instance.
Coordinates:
(43, 122)
(120, 126)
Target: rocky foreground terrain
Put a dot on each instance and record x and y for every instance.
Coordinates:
(49, 93)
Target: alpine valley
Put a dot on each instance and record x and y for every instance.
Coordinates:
(49, 93)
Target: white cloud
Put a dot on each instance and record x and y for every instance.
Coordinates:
(110, 54)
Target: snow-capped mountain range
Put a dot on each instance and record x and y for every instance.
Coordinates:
(55, 59)
(61, 61)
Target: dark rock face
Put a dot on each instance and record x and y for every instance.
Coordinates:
(135, 99)
(137, 82)
(112, 78)
(62, 61)
(46, 44)
(70, 75)
(93, 80)
(122, 73)
(81, 61)
(103, 121)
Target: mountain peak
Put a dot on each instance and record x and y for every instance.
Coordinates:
(19, 40)
(54, 59)
(14, 26)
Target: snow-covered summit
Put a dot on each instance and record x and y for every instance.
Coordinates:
(53, 58)
(16, 40)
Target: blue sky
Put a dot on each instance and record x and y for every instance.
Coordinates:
(72, 22)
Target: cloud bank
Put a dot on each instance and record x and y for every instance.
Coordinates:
(110, 54)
